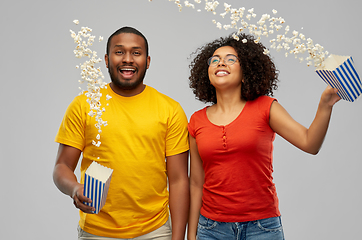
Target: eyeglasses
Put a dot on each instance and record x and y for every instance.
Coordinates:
(229, 60)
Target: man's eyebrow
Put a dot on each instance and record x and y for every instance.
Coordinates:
(119, 46)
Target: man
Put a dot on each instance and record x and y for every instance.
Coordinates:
(143, 128)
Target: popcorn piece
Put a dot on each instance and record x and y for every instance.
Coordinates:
(226, 27)
(278, 27)
(72, 34)
(187, 4)
(236, 37)
(218, 25)
(76, 22)
(211, 6)
(244, 40)
(223, 14)
(91, 113)
(97, 144)
(227, 7)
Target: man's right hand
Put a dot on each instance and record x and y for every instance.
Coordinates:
(79, 199)
(65, 179)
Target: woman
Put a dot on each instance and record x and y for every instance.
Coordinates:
(231, 142)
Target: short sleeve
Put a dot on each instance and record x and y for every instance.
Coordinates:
(191, 126)
(177, 134)
(264, 105)
(71, 131)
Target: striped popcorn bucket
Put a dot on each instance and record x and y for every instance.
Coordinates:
(339, 72)
(97, 179)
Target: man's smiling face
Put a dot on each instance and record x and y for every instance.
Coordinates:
(127, 63)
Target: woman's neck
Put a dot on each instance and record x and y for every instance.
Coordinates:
(226, 110)
(229, 101)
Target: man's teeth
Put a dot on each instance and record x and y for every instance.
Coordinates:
(128, 69)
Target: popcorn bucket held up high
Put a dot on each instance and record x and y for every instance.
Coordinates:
(339, 72)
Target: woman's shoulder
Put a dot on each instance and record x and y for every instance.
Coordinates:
(262, 100)
(199, 112)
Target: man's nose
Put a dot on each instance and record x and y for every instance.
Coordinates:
(127, 57)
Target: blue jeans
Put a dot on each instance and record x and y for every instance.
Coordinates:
(264, 229)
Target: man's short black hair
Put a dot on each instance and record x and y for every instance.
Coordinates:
(126, 30)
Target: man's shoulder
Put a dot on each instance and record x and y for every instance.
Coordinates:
(161, 96)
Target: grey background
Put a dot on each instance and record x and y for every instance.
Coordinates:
(320, 196)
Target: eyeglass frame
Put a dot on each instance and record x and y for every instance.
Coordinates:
(212, 64)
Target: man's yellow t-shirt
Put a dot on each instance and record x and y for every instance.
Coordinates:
(141, 131)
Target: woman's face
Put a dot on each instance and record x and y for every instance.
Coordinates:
(227, 72)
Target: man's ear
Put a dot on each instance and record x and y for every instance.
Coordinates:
(106, 59)
(148, 61)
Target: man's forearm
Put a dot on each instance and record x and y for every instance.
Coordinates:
(179, 208)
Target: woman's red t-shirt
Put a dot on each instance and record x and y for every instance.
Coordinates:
(238, 164)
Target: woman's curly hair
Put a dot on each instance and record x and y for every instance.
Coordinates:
(258, 70)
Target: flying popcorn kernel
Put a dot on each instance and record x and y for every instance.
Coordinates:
(218, 25)
(97, 144)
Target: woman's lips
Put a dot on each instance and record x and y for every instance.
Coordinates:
(221, 73)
